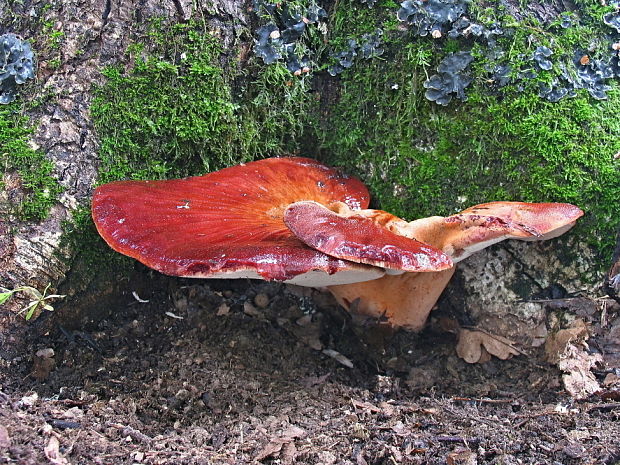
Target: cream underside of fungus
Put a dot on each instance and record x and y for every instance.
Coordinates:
(312, 278)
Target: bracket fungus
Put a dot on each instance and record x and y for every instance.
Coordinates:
(230, 223)
(298, 221)
(359, 239)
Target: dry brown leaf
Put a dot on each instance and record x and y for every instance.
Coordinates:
(5, 439)
(611, 380)
(388, 410)
(360, 460)
(477, 346)
(579, 381)
(293, 432)
(557, 342)
(289, 452)
(279, 445)
(462, 456)
(566, 348)
(311, 381)
(272, 448)
(485, 356)
(52, 452)
(367, 406)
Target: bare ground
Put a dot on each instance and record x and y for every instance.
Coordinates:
(202, 373)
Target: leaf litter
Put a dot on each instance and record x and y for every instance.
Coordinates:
(244, 388)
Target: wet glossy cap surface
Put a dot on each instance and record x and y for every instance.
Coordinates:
(359, 239)
(229, 221)
(539, 219)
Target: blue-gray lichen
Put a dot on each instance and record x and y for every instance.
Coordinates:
(586, 73)
(431, 16)
(16, 65)
(541, 57)
(464, 27)
(369, 3)
(268, 43)
(613, 20)
(368, 47)
(344, 58)
(295, 63)
(450, 80)
(282, 35)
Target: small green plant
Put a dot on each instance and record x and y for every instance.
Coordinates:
(40, 300)
(54, 37)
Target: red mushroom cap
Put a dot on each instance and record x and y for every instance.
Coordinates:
(229, 223)
(359, 239)
(540, 220)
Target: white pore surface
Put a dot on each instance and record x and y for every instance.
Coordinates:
(314, 278)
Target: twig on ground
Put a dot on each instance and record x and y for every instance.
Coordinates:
(131, 432)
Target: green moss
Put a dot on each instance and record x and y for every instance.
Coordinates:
(174, 113)
(177, 111)
(164, 118)
(421, 159)
(92, 257)
(352, 19)
(34, 169)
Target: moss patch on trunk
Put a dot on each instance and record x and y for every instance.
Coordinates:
(38, 189)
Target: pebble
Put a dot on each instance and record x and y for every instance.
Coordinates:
(223, 309)
(74, 413)
(28, 401)
(45, 353)
(261, 300)
(44, 363)
(250, 309)
(182, 394)
(304, 320)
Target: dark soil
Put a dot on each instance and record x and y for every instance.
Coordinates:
(202, 373)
